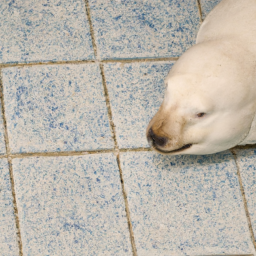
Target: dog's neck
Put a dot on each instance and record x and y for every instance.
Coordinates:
(251, 136)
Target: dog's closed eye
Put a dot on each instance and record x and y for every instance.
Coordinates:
(201, 114)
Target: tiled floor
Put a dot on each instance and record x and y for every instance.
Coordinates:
(80, 79)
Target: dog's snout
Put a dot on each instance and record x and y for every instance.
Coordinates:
(155, 139)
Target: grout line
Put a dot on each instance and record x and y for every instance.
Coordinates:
(88, 14)
(139, 60)
(46, 63)
(244, 199)
(73, 153)
(113, 131)
(76, 62)
(134, 250)
(200, 10)
(60, 154)
(135, 149)
(110, 116)
(112, 128)
(6, 138)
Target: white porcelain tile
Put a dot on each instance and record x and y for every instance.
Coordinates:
(56, 108)
(8, 236)
(185, 205)
(132, 29)
(55, 30)
(247, 164)
(71, 206)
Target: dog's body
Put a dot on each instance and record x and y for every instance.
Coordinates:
(210, 101)
(236, 19)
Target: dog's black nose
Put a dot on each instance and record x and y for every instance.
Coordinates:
(156, 140)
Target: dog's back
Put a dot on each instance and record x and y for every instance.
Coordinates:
(231, 18)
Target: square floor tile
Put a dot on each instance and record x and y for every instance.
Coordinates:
(32, 30)
(130, 29)
(207, 6)
(185, 205)
(8, 237)
(136, 92)
(71, 206)
(2, 142)
(247, 164)
(56, 108)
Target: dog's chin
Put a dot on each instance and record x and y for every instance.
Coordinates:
(168, 152)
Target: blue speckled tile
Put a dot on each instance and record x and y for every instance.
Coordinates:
(2, 142)
(8, 238)
(247, 163)
(56, 108)
(185, 205)
(136, 91)
(207, 6)
(71, 206)
(130, 29)
(53, 30)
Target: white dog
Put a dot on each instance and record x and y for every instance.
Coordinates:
(210, 100)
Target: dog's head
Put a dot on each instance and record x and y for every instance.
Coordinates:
(208, 105)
